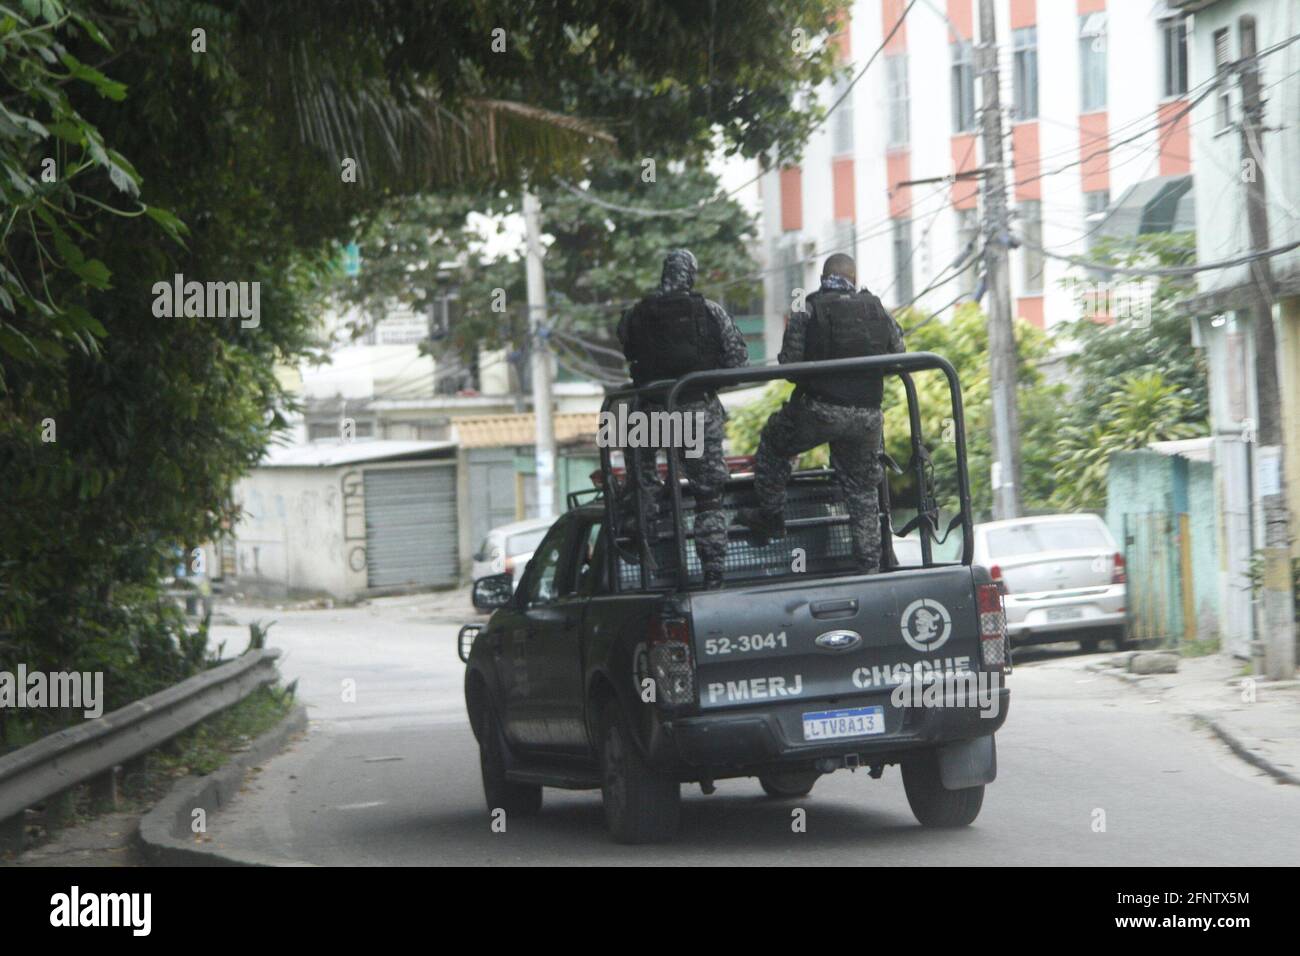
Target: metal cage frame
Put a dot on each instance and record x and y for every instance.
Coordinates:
(901, 364)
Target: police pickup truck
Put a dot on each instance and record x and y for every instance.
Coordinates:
(612, 668)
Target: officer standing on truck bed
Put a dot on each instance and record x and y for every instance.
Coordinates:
(843, 410)
(666, 335)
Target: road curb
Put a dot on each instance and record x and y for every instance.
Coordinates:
(1232, 742)
(1241, 750)
(164, 834)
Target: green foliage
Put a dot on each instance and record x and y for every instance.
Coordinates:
(1134, 380)
(962, 340)
(53, 161)
(1144, 408)
(121, 434)
(600, 259)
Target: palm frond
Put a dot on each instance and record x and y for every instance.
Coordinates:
(416, 141)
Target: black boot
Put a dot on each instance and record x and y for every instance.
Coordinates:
(763, 525)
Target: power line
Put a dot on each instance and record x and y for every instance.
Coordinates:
(934, 315)
(1211, 85)
(1170, 271)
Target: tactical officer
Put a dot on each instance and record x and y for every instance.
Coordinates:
(666, 335)
(841, 409)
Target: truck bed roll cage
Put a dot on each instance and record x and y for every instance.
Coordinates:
(667, 393)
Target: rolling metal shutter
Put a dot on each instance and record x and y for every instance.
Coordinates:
(411, 527)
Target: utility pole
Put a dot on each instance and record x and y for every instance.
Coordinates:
(997, 269)
(544, 433)
(1277, 607)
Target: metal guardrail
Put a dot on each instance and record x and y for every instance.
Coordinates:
(68, 757)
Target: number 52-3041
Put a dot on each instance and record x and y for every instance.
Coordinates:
(744, 643)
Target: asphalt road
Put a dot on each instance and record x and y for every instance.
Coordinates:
(391, 778)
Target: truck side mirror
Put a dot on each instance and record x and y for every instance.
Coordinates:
(493, 591)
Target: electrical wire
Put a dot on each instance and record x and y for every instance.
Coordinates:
(1169, 271)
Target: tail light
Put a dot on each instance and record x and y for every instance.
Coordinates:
(1120, 574)
(995, 573)
(995, 647)
(671, 664)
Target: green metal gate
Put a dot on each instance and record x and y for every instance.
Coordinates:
(1157, 557)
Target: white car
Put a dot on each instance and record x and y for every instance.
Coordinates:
(508, 547)
(1062, 578)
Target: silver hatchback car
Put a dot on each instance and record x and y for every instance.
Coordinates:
(1062, 578)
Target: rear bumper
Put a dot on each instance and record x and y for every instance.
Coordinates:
(737, 744)
(1043, 617)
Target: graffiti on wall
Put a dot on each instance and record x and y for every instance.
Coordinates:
(354, 519)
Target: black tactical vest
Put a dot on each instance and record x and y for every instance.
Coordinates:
(846, 325)
(671, 335)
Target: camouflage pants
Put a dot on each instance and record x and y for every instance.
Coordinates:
(854, 436)
(707, 475)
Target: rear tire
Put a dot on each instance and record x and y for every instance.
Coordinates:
(786, 786)
(1089, 644)
(641, 805)
(932, 805)
(516, 799)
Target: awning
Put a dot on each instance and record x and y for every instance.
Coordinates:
(506, 431)
(1162, 204)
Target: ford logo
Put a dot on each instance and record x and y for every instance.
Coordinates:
(839, 640)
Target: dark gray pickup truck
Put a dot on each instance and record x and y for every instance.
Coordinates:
(611, 667)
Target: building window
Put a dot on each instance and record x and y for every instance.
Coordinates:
(1092, 62)
(1173, 32)
(842, 119)
(1222, 60)
(790, 275)
(1031, 233)
(963, 88)
(896, 79)
(1025, 41)
(968, 231)
(903, 261)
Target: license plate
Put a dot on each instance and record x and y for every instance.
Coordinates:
(854, 722)
(1064, 613)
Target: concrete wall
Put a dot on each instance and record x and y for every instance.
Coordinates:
(1288, 352)
(1145, 482)
(291, 537)
(1205, 552)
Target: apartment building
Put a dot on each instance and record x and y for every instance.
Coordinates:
(1097, 140)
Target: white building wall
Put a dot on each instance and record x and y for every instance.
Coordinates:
(1222, 232)
(1134, 93)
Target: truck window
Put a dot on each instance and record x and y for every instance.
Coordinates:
(590, 563)
(524, 542)
(543, 570)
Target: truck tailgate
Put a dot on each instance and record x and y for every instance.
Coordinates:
(832, 638)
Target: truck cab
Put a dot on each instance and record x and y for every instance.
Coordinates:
(610, 666)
